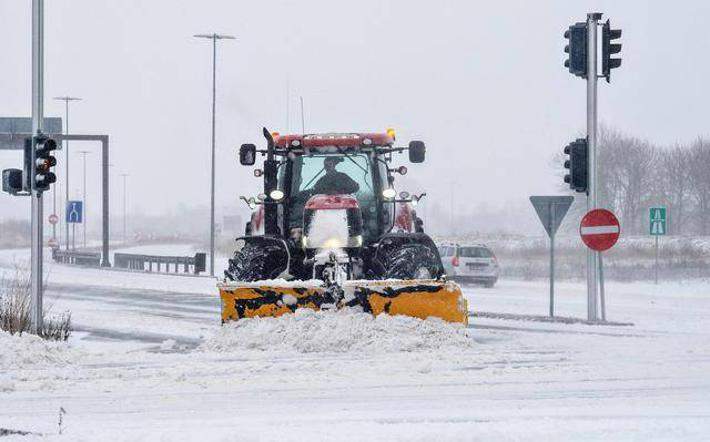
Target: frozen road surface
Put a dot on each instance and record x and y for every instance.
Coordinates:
(155, 364)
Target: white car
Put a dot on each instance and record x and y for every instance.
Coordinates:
(474, 263)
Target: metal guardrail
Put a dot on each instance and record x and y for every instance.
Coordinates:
(190, 264)
(89, 259)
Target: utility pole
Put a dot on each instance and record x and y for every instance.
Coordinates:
(83, 198)
(592, 256)
(66, 99)
(125, 197)
(288, 106)
(54, 211)
(58, 188)
(451, 210)
(582, 61)
(214, 38)
(36, 314)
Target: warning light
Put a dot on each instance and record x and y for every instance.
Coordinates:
(390, 133)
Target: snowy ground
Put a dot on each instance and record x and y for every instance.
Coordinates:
(152, 364)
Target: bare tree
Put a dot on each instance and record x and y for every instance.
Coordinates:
(627, 175)
(700, 180)
(676, 185)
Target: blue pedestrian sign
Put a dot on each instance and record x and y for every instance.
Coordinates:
(75, 212)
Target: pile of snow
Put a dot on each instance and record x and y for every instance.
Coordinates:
(30, 351)
(309, 331)
(278, 282)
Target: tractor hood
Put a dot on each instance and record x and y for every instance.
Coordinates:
(332, 222)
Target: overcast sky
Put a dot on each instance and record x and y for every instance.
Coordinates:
(482, 83)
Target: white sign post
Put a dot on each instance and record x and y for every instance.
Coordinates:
(551, 210)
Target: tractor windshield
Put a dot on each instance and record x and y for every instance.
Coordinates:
(350, 175)
(333, 174)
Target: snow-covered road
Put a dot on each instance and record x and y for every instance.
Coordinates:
(151, 364)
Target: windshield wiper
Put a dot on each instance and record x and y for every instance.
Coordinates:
(313, 179)
(366, 172)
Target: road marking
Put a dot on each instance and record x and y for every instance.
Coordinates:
(599, 230)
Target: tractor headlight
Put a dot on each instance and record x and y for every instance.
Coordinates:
(389, 193)
(276, 195)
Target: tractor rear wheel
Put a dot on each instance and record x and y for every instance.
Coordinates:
(411, 261)
(256, 262)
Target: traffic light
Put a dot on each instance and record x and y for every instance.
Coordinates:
(12, 181)
(42, 175)
(577, 165)
(609, 48)
(576, 47)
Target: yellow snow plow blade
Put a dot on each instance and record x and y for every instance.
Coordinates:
(417, 298)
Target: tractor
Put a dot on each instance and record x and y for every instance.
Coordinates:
(330, 231)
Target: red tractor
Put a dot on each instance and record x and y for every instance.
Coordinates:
(331, 231)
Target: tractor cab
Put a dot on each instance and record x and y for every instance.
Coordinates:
(356, 174)
(339, 164)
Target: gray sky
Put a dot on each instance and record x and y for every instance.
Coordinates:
(481, 82)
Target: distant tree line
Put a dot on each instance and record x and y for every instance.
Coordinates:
(14, 233)
(635, 174)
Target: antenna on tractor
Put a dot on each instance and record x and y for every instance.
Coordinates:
(303, 120)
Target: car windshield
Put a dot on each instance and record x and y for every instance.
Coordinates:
(475, 252)
(446, 251)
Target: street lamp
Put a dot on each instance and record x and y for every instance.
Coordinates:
(66, 99)
(214, 38)
(83, 198)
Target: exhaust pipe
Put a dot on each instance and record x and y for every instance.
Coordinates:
(271, 226)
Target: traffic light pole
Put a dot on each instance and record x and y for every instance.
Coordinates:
(592, 256)
(36, 196)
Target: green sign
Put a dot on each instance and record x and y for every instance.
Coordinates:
(657, 221)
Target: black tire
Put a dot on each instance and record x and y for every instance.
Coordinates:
(412, 261)
(256, 262)
(489, 284)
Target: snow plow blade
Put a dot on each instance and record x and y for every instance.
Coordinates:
(417, 298)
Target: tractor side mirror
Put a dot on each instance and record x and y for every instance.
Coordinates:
(417, 151)
(247, 154)
(417, 198)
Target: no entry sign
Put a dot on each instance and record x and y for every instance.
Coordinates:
(599, 229)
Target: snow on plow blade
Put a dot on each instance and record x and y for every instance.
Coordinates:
(417, 298)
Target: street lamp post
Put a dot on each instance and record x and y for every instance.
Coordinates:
(66, 99)
(83, 198)
(214, 38)
(124, 176)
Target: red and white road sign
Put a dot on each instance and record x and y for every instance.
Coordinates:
(599, 229)
(53, 243)
(53, 219)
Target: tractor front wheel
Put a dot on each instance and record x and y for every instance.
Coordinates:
(256, 262)
(411, 261)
